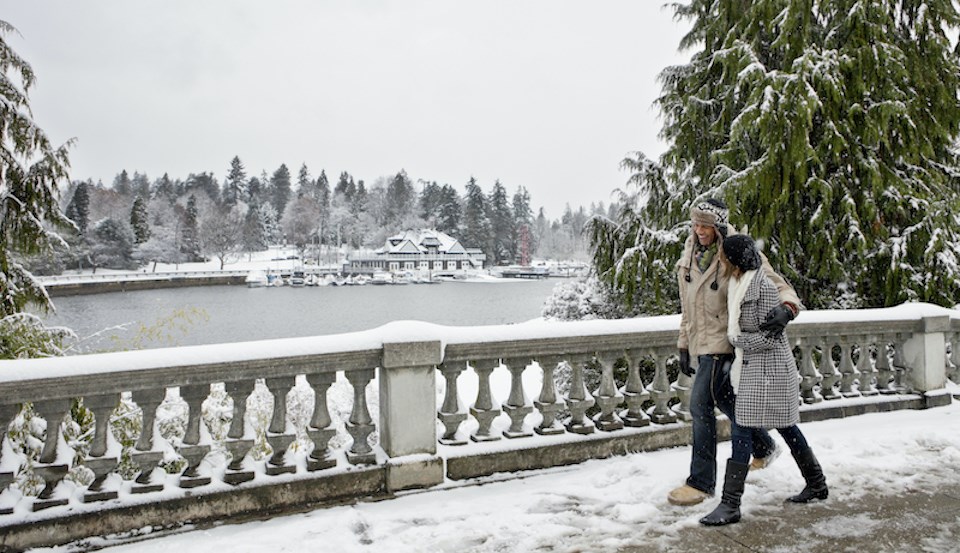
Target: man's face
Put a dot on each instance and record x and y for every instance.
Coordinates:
(706, 234)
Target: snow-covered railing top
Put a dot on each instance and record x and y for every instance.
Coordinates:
(246, 359)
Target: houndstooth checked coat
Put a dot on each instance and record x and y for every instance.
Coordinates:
(769, 394)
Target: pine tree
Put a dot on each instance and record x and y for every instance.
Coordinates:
(502, 231)
(190, 233)
(140, 185)
(401, 200)
(280, 189)
(358, 203)
(164, 188)
(829, 127)
(112, 245)
(305, 185)
(122, 184)
(449, 211)
(254, 239)
(254, 192)
(140, 221)
(476, 226)
(234, 189)
(323, 189)
(78, 210)
(522, 222)
(30, 172)
(430, 198)
(345, 187)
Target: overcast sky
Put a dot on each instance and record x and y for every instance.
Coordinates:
(546, 94)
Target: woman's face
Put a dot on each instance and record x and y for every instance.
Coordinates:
(706, 234)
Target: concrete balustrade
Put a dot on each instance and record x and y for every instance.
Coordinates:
(386, 412)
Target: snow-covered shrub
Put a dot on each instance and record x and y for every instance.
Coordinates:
(24, 336)
(583, 299)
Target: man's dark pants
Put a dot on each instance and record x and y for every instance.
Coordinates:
(712, 389)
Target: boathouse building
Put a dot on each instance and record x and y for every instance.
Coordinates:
(421, 249)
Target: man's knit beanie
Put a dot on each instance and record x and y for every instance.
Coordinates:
(711, 212)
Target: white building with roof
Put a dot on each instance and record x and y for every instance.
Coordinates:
(419, 250)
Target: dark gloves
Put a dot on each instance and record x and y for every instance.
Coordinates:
(685, 367)
(777, 320)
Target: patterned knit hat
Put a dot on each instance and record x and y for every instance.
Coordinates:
(741, 250)
(712, 213)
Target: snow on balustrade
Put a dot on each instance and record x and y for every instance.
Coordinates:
(258, 413)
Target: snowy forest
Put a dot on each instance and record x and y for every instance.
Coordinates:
(136, 221)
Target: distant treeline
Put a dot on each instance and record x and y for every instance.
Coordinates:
(136, 221)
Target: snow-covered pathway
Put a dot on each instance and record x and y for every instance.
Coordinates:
(600, 505)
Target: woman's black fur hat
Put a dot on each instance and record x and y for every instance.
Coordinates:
(741, 250)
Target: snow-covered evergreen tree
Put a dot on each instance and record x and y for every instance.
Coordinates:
(31, 170)
(112, 245)
(476, 226)
(190, 232)
(522, 221)
(234, 189)
(280, 189)
(502, 232)
(78, 210)
(449, 211)
(829, 127)
(140, 221)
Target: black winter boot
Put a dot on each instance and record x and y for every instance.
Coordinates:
(728, 511)
(816, 487)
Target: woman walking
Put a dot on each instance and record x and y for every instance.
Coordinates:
(764, 379)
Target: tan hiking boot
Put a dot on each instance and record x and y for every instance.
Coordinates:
(758, 463)
(685, 495)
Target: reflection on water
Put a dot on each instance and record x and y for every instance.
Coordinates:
(219, 314)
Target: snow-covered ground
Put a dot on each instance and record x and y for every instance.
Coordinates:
(600, 505)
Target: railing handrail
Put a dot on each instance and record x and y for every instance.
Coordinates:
(76, 375)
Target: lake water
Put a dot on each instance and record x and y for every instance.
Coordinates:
(220, 314)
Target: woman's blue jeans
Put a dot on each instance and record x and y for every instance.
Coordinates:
(712, 390)
(742, 438)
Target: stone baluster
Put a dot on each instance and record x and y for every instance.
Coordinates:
(607, 396)
(360, 425)
(7, 412)
(191, 449)
(865, 368)
(829, 376)
(884, 371)
(53, 412)
(238, 442)
(660, 390)
(547, 403)
(102, 407)
(277, 435)
(635, 394)
(579, 399)
(144, 454)
(451, 413)
(848, 373)
(682, 389)
(809, 377)
(900, 368)
(483, 408)
(320, 429)
(517, 406)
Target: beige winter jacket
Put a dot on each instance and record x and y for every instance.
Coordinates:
(703, 320)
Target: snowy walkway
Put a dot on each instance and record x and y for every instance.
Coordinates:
(893, 479)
